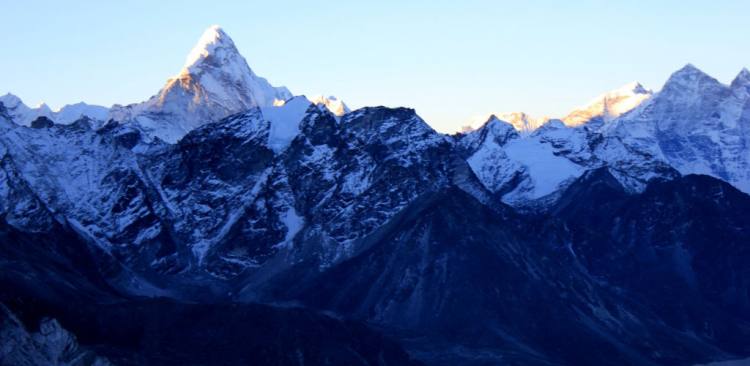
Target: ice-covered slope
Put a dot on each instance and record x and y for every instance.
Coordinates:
(215, 82)
(521, 168)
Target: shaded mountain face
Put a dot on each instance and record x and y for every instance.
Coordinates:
(134, 334)
(60, 308)
(678, 247)
(606, 280)
(681, 245)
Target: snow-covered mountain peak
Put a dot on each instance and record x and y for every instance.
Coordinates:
(213, 43)
(494, 123)
(523, 122)
(42, 106)
(690, 77)
(695, 124)
(20, 113)
(743, 76)
(689, 86)
(610, 105)
(73, 112)
(636, 88)
(23, 115)
(520, 121)
(219, 69)
(10, 100)
(476, 122)
(333, 104)
(688, 69)
(215, 73)
(215, 82)
(742, 81)
(500, 130)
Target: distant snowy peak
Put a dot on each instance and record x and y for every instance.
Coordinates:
(605, 108)
(742, 79)
(610, 105)
(686, 101)
(334, 105)
(689, 75)
(520, 121)
(23, 115)
(19, 112)
(73, 112)
(496, 124)
(215, 82)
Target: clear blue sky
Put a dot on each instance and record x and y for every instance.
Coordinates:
(447, 59)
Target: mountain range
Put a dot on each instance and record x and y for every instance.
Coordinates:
(225, 221)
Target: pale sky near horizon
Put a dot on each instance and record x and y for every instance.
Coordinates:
(450, 60)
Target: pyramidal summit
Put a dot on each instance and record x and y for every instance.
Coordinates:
(215, 82)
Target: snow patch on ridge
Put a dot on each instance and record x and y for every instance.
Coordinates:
(293, 223)
(285, 122)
